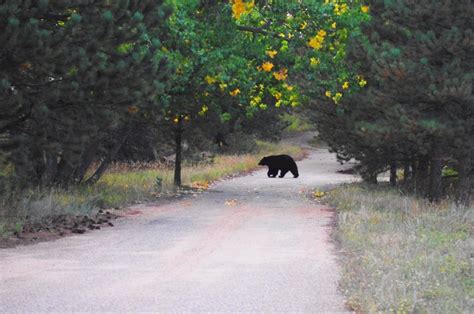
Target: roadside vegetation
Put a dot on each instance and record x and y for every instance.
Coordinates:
(125, 183)
(296, 123)
(402, 254)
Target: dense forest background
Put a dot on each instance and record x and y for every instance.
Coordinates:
(86, 83)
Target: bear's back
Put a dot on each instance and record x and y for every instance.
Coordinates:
(281, 160)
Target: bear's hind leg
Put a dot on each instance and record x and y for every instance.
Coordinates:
(295, 173)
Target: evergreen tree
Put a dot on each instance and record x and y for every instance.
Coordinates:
(418, 108)
(75, 78)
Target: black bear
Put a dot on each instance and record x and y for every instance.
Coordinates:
(282, 163)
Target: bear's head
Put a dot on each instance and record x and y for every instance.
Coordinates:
(263, 162)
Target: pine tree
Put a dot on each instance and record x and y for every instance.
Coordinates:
(418, 108)
(75, 76)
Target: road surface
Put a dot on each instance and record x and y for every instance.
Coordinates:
(249, 244)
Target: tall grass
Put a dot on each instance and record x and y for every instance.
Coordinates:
(402, 254)
(125, 184)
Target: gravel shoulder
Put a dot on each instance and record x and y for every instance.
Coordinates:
(251, 243)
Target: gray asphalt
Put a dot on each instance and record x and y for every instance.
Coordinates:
(250, 244)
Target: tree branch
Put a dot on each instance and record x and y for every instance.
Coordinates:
(259, 31)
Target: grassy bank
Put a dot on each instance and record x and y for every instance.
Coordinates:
(123, 185)
(402, 254)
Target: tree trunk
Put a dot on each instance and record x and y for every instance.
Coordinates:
(51, 167)
(86, 160)
(413, 169)
(178, 138)
(393, 174)
(464, 186)
(421, 174)
(64, 170)
(369, 175)
(435, 174)
(406, 172)
(108, 159)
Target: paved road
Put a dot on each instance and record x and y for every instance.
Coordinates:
(250, 244)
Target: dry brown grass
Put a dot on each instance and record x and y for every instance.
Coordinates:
(124, 184)
(402, 254)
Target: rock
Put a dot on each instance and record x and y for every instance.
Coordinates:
(77, 230)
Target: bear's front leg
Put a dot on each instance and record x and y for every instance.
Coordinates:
(283, 172)
(272, 173)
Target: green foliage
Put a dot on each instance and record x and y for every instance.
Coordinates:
(296, 123)
(417, 109)
(75, 80)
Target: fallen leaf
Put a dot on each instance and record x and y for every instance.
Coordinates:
(231, 202)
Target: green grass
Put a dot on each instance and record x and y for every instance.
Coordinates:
(296, 123)
(401, 254)
(122, 186)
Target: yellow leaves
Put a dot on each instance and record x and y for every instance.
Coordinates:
(281, 75)
(334, 25)
(336, 97)
(271, 53)
(231, 202)
(255, 101)
(361, 81)
(322, 33)
(235, 92)
(303, 25)
(210, 79)
(314, 61)
(318, 194)
(288, 87)
(340, 9)
(25, 66)
(204, 185)
(267, 66)
(316, 42)
(240, 7)
(277, 95)
(345, 85)
(182, 117)
(364, 8)
(294, 100)
(132, 109)
(203, 111)
(222, 86)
